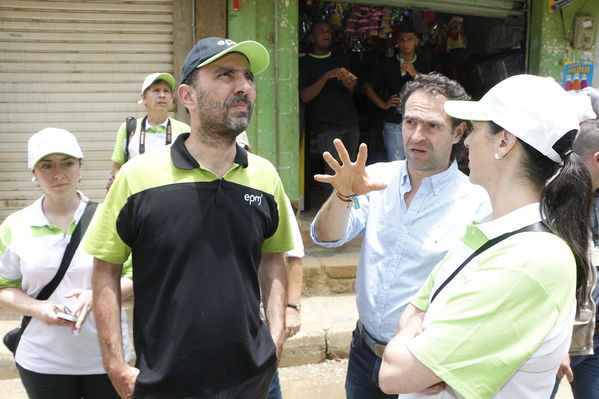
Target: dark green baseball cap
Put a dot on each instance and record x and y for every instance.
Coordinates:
(211, 49)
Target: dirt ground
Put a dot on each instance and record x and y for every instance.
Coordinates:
(324, 380)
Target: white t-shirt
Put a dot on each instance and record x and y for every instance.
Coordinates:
(31, 250)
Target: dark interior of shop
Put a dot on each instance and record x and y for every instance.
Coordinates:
(476, 51)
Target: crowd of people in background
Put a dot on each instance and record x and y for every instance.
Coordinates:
(468, 286)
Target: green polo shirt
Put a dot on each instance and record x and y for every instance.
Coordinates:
(196, 241)
(494, 316)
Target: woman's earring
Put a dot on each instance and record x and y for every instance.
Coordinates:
(498, 157)
(35, 181)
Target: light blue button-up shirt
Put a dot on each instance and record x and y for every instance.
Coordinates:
(402, 245)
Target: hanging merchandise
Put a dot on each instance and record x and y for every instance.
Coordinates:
(386, 29)
(336, 18)
(455, 37)
(438, 37)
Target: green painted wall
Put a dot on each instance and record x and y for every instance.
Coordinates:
(274, 129)
(551, 34)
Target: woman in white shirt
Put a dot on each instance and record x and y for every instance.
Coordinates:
(499, 326)
(55, 358)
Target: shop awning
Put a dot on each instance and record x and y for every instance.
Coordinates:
(484, 8)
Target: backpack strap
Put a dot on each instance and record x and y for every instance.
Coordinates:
(130, 127)
(537, 227)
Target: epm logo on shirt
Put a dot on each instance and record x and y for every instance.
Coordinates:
(251, 198)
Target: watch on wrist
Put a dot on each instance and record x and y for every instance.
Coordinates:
(296, 306)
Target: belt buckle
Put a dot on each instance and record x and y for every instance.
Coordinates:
(379, 350)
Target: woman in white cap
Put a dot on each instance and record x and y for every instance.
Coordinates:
(58, 355)
(154, 130)
(494, 318)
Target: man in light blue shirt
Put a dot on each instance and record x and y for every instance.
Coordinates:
(410, 213)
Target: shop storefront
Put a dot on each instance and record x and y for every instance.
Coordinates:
(502, 38)
(476, 46)
(75, 64)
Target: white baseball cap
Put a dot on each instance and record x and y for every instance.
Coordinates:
(535, 109)
(583, 103)
(51, 140)
(153, 77)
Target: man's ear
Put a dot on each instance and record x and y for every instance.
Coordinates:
(459, 131)
(186, 95)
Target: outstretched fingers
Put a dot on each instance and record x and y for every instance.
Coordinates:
(331, 161)
(362, 155)
(324, 178)
(342, 152)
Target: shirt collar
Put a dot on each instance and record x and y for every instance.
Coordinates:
(182, 159)
(437, 182)
(327, 55)
(399, 57)
(38, 219)
(515, 220)
(150, 126)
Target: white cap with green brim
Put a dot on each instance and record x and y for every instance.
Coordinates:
(154, 77)
(535, 109)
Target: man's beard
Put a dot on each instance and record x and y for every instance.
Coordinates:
(216, 120)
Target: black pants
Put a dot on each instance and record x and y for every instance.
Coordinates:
(63, 386)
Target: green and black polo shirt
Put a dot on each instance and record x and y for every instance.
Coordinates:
(196, 241)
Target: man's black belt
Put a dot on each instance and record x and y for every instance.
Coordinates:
(376, 347)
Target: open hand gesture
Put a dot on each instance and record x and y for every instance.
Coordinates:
(350, 178)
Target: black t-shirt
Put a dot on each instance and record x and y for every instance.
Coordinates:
(334, 106)
(387, 80)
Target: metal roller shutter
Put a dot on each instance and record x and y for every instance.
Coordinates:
(76, 65)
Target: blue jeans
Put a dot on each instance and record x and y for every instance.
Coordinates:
(362, 379)
(586, 374)
(393, 141)
(275, 388)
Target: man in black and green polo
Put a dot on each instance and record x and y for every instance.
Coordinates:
(207, 230)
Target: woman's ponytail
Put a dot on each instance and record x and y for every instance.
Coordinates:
(566, 207)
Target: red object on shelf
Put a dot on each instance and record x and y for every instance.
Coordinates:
(235, 5)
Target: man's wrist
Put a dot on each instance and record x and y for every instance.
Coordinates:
(348, 199)
(115, 366)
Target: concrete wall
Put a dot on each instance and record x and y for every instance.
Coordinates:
(551, 35)
(274, 130)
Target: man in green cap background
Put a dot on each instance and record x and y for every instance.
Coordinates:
(207, 230)
(154, 130)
